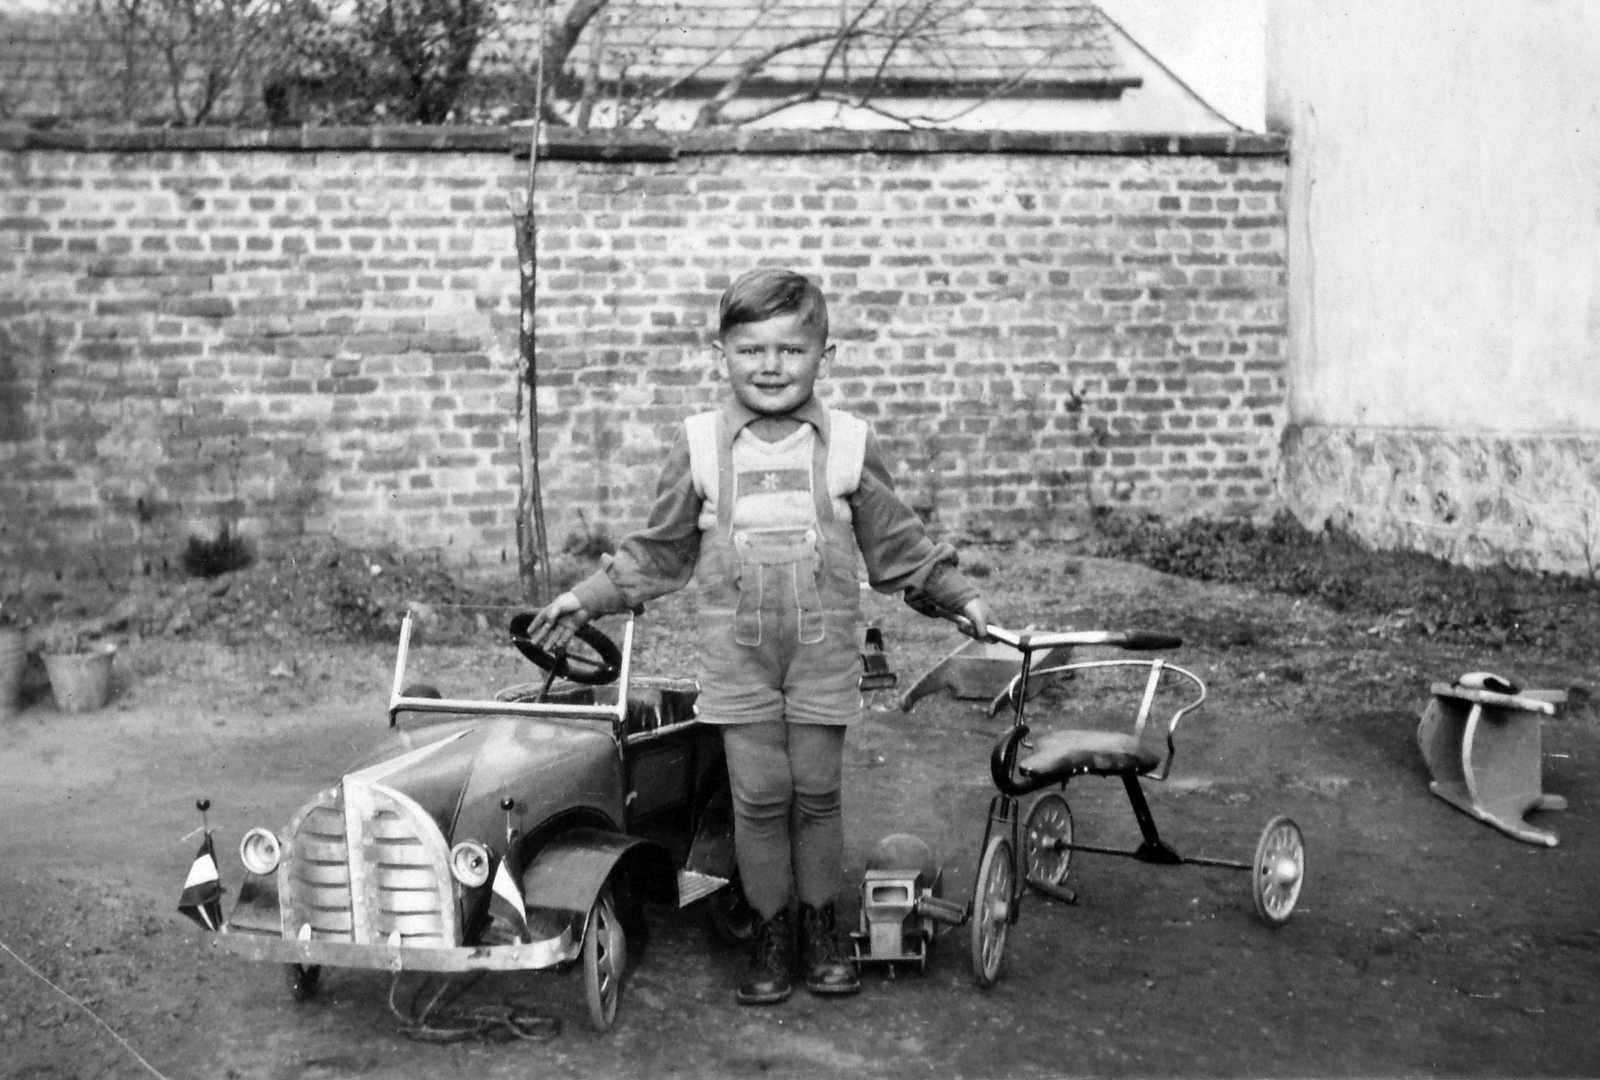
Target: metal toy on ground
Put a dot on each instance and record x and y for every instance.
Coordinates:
(901, 905)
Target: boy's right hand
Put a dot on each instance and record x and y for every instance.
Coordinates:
(555, 624)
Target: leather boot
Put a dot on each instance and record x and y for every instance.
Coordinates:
(771, 962)
(822, 956)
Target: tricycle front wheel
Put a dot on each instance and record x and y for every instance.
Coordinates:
(991, 911)
(605, 958)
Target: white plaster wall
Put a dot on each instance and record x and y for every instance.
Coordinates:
(1444, 212)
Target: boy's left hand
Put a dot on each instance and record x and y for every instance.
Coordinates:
(975, 618)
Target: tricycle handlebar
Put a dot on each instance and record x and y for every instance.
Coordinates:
(1034, 640)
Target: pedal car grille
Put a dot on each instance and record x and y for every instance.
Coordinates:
(364, 863)
(315, 885)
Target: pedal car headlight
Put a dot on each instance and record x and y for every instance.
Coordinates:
(469, 863)
(259, 851)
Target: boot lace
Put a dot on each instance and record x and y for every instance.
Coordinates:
(770, 952)
(822, 944)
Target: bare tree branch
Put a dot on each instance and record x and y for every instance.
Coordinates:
(731, 89)
(863, 99)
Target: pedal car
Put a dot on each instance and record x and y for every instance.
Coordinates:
(1038, 853)
(517, 833)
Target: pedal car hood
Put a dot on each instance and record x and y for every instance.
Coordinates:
(459, 771)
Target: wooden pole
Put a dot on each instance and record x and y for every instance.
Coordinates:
(533, 542)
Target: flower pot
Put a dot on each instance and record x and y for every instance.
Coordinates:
(12, 655)
(81, 682)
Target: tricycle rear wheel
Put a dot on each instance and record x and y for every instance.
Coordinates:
(991, 911)
(1278, 871)
(1047, 840)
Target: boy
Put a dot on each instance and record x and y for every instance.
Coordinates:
(768, 500)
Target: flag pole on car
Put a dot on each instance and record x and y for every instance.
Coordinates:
(202, 890)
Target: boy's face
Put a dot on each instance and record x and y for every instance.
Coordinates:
(773, 364)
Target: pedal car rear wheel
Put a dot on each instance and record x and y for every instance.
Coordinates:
(991, 911)
(1279, 870)
(1047, 839)
(605, 958)
(302, 980)
(732, 919)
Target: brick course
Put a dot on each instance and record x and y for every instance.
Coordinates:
(322, 337)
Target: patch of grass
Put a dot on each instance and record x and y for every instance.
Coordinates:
(1405, 593)
(222, 554)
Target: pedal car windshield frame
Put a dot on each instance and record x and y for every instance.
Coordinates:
(616, 713)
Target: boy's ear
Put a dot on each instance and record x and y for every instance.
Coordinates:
(827, 360)
(721, 358)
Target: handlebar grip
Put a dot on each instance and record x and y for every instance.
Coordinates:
(1146, 641)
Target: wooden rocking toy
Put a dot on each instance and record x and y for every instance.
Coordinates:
(1481, 740)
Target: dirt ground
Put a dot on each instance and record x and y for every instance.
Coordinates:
(1425, 944)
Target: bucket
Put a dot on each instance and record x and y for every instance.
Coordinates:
(12, 656)
(81, 682)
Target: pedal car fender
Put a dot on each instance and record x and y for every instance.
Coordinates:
(568, 872)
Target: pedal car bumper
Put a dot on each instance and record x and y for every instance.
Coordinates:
(528, 956)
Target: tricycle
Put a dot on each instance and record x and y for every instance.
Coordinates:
(1036, 852)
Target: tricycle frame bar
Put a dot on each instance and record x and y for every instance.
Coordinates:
(1188, 860)
(1153, 849)
(1028, 641)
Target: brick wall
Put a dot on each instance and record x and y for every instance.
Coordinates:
(315, 332)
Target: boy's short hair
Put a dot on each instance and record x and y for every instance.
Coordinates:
(768, 292)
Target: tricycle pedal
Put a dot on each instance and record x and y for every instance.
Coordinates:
(1055, 892)
(945, 911)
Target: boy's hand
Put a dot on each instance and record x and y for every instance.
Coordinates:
(555, 624)
(975, 618)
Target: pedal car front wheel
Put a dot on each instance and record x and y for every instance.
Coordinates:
(605, 958)
(1047, 840)
(991, 911)
(1279, 870)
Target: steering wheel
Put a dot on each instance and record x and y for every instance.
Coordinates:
(603, 667)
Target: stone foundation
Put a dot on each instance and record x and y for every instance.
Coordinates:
(1530, 501)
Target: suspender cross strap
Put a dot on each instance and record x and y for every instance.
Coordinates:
(837, 457)
(784, 557)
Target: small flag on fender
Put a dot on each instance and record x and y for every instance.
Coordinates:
(202, 892)
(506, 904)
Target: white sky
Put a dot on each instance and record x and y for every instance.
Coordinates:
(1218, 47)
